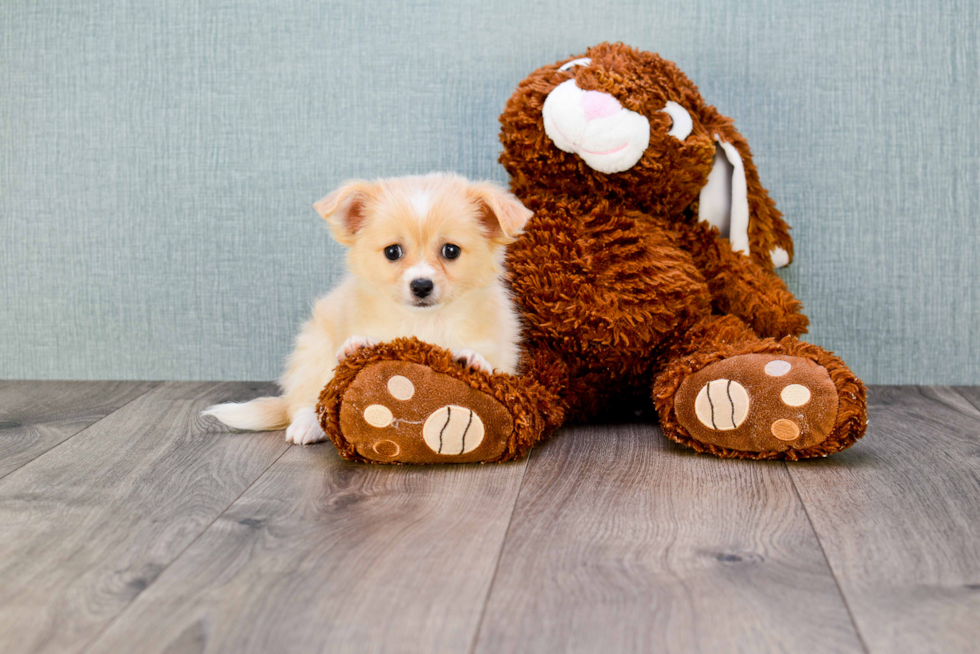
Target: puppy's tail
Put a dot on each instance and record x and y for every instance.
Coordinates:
(261, 414)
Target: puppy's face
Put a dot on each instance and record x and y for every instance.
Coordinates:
(424, 241)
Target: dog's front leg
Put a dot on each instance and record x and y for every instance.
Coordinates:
(352, 345)
(472, 359)
(305, 427)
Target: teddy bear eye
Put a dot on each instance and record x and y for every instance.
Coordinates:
(682, 120)
(584, 61)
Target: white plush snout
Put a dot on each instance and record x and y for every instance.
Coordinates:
(593, 125)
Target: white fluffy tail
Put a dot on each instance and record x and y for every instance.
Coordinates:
(261, 414)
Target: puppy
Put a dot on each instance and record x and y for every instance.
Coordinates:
(425, 258)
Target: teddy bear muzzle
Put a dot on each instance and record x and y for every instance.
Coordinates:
(596, 127)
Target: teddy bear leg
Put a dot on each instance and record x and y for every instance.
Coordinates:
(732, 394)
(410, 402)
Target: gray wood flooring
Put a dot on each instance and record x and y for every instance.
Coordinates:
(130, 524)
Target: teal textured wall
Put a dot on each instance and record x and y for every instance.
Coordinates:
(158, 160)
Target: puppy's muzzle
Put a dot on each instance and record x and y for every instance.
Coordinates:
(421, 288)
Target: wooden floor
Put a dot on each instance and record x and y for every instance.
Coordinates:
(130, 524)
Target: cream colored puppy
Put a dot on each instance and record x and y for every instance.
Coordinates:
(425, 256)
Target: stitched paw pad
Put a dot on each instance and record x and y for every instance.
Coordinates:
(453, 429)
(401, 412)
(758, 403)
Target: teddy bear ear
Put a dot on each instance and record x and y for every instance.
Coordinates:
(501, 212)
(344, 209)
(755, 226)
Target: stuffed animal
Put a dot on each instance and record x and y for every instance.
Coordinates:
(645, 276)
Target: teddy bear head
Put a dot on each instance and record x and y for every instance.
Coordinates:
(628, 127)
(614, 121)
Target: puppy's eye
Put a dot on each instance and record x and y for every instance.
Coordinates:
(584, 61)
(393, 252)
(450, 251)
(682, 120)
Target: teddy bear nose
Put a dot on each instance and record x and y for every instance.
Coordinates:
(599, 105)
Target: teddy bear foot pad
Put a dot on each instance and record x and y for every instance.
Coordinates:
(759, 403)
(402, 412)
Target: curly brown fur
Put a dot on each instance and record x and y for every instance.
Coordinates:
(741, 288)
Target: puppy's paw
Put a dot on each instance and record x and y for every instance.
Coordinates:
(305, 428)
(352, 345)
(472, 359)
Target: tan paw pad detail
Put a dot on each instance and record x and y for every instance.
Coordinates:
(785, 430)
(722, 404)
(795, 395)
(378, 416)
(453, 429)
(401, 387)
(777, 368)
(387, 449)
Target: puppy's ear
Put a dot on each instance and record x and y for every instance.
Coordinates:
(344, 209)
(503, 216)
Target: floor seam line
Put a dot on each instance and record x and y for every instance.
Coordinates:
(956, 389)
(500, 556)
(132, 601)
(823, 553)
(81, 431)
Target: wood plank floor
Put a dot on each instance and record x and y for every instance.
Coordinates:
(130, 524)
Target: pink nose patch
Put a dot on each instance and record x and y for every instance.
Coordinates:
(599, 105)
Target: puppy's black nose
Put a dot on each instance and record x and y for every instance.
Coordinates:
(421, 287)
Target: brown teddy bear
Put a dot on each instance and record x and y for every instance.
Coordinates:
(646, 272)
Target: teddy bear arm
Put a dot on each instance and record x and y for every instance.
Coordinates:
(742, 287)
(605, 281)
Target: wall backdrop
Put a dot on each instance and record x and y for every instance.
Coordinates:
(158, 160)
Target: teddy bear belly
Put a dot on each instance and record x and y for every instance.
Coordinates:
(604, 284)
